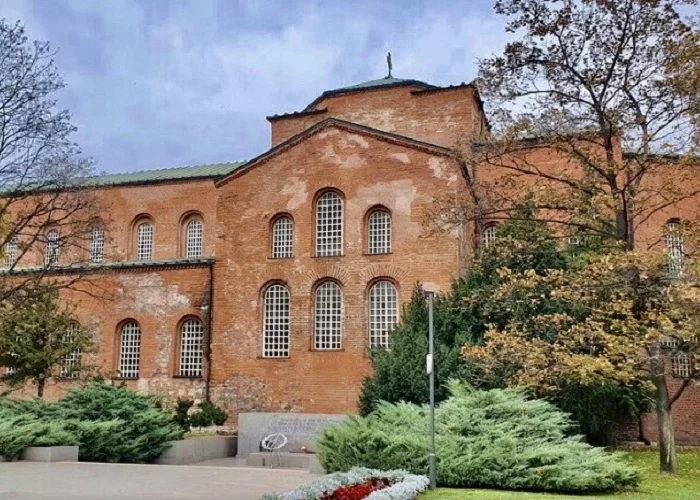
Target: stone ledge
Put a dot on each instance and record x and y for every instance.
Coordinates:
(285, 461)
(191, 451)
(50, 454)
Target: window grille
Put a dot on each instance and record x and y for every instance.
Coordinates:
(10, 253)
(383, 313)
(379, 232)
(97, 245)
(276, 322)
(328, 316)
(282, 238)
(144, 241)
(489, 237)
(11, 370)
(195, 239)
(674, 247)
(329, 225)
(129, 350)
(670, 342)
(681, 365)
(191, 335)
(52, 248)
(69, 362)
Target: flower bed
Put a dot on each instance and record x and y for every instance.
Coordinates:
(358, 484)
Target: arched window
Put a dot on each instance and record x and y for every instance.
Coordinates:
(10, 253)
(674, 247)
(191, 335)
(276, 322)
(129, 350)
(194, 240)
(379, 232)
(329, 225)
(328, 331)
(383, 312)
(282, 238)
(144, 241)
(97, 244)
(52, 248)
(71, 361)
(489, 236)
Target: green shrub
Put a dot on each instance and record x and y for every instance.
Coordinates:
(200, 419)
(110, 424)
(214, 413)
(182, 408)
(492, 439)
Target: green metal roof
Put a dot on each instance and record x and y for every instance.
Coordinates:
(166, 174)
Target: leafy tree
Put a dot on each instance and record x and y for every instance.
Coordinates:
(620, 322)
(40, 339)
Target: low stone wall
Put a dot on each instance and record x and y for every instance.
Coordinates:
(50, 454)
(190, 451)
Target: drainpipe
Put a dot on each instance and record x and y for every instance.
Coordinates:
(210, 321)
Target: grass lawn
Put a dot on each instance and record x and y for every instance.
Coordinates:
(684, 486)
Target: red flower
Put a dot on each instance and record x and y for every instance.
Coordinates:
(357, 492)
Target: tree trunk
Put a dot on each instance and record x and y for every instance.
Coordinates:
(40, 387)
(667, 444)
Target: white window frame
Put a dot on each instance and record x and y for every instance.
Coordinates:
(53, 248)
(144, 240)
(129, 350)
(681, 364)
(674, 248)
(97, 244)
(10, 253)
(383, 313)
(276, 322)
(489, 236)
(194, 239)
(329, 225)
(283, 238)
(70, 361)
(191, 348)
(379, 232)
(328, 316)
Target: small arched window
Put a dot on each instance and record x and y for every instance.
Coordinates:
(129, 350)
(276, 322)
(97, 243)
(674, 247)
(383, 313)
(329, 225)
(194, 239)
(379, 232)
(489, 236)
(10, 253)
(52, 248)
(191, 335)
(144, 241)
(328, 316)
(282, 238)
(70, 362)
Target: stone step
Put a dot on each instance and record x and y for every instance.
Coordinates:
(283, 460)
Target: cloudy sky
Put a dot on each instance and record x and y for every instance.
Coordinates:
(163, 83)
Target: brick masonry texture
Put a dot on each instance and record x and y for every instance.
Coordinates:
(367, 169)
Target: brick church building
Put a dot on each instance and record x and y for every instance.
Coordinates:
(262, 284)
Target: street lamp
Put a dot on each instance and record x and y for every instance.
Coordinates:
(430, 368)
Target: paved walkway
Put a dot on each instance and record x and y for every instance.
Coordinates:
(92, 481)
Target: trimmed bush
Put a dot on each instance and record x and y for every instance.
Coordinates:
(492, 439)
(110, 424)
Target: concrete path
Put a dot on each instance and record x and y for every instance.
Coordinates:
(92, 481)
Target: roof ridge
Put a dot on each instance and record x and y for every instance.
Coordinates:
(197, 165)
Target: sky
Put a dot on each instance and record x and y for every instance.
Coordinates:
(165, 83)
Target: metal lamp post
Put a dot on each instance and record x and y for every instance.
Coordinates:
(430, 368)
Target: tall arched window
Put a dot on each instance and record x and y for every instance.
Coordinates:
(144, 241)
(52, 248)
(10, 253)
(191, 335)
(129, 350)
(329, 225)
(674, 247)
(379, 232)
(282, 238)
(70, 362)
(276, 322)
(383, 312)
(489, 236)
(97, 244)
(328, 313)
(194, 239)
